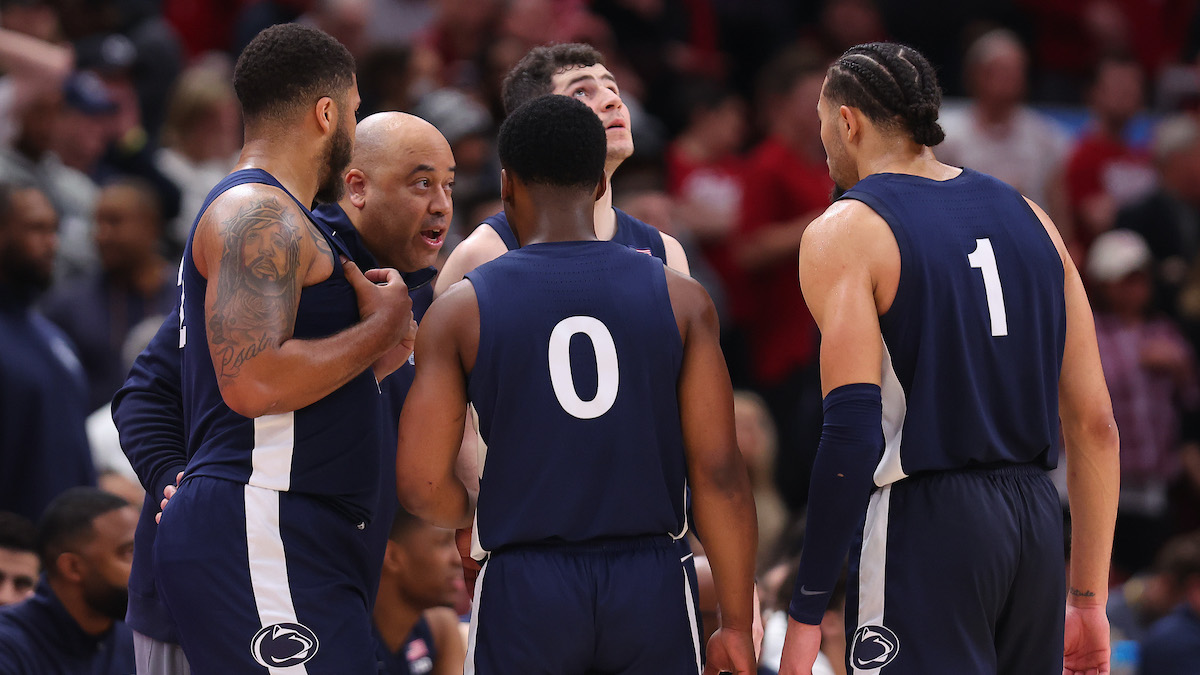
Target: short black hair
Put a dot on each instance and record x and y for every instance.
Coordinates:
(403, 523)
(16, 532)
(288, 66)
(67, 521)
(532, 75)
(893, 85)
(554, 140)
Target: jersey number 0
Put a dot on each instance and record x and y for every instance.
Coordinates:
(607, 377)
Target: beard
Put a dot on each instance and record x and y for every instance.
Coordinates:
(25, 276)
(337, 158)
(110, 601)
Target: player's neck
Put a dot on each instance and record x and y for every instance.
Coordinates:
(394, 618)
(903, 157)
(291, 166)
(603, 215)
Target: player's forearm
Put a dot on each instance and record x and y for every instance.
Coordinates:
(446, 502)
(1093, 483)
(725, 520)
(300, 372)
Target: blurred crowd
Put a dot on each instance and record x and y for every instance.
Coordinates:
(118, 116)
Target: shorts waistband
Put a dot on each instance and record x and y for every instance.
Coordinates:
(597, 545)
(992, 469)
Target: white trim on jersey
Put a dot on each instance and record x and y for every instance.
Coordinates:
(268, 566)
(477, 551)
(872, 566)
(895, 407)
(691, 610)
(473, 630)
(683, 532)
(271, 458)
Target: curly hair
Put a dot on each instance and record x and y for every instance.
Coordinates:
(531, 77)
(554, 140)
(893, 85)
(289, 66)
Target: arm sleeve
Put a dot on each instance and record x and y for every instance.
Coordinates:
(148, 411)
(842, 480)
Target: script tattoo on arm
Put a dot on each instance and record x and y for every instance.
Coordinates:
(257, 285)
(1075, 592)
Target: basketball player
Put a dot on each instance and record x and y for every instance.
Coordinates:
(955, 333)
(260, 556)
(602, 395)
(395, 210)
(575, 70)
(416, 629)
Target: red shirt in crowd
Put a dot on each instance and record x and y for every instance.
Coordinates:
(781, 186)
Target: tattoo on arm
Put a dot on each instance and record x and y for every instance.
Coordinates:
(257, 285)
(1075, 592)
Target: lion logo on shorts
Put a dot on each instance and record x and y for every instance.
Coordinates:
(284, 644)
(873, 647)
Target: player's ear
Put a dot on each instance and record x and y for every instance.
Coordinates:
(506, 188)
(601, 188)
(326, 114)
(356, 187)
(850, 123)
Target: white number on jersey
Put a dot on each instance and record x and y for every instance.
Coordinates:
(984, 259)
(606, 366)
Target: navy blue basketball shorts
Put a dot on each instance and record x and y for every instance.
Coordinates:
(260, 581)
(606, 606)
(959, 572)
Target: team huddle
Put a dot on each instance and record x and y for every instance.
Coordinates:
(560, 394)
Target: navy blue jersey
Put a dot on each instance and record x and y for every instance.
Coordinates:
(974, 338)
(575, 386)
(416, 656)
(40, 636)
(329, 449)
(630, 232)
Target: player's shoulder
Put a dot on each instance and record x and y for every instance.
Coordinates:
(258, 201)
(846, 219)
(481, 246)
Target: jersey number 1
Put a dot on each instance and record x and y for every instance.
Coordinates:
(563, 380)
(984, 259)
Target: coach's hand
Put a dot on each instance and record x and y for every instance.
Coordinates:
(800, 648)
(168, 492)
(730, 651)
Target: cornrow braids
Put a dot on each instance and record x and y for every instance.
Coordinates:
(893, 85)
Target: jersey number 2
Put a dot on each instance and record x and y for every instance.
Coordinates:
(563, 380)
(984, 259)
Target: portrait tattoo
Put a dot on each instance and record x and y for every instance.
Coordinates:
(257, 293)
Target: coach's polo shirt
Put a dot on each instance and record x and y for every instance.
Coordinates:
(40, 636)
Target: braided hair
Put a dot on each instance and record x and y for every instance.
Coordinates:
(893, 85)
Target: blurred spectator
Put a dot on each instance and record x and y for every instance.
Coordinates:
(1172, 645)
(786, 185)
(399, 22)
(757, 441)
(1104, 171)
(1141, 601)
(85, 125)
(1151, 375)
(43, 391)
(31, 161)
(997, 133)
(415, 625)
(345, 20)
(1169, 218)
(458, 36)
(704, 176)
(134, 282)
(18, 559)
(32, 68)
(201, 141)
(73, 623)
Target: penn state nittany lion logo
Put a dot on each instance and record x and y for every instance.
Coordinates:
(873, 647)
(283, 644)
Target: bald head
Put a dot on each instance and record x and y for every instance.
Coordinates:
(398, 189)
(382, 138)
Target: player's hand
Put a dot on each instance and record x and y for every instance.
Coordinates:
(381, 292)
(800, 648)
(396, 356)
(1085, 641)
(168, 492)
(730, 651)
